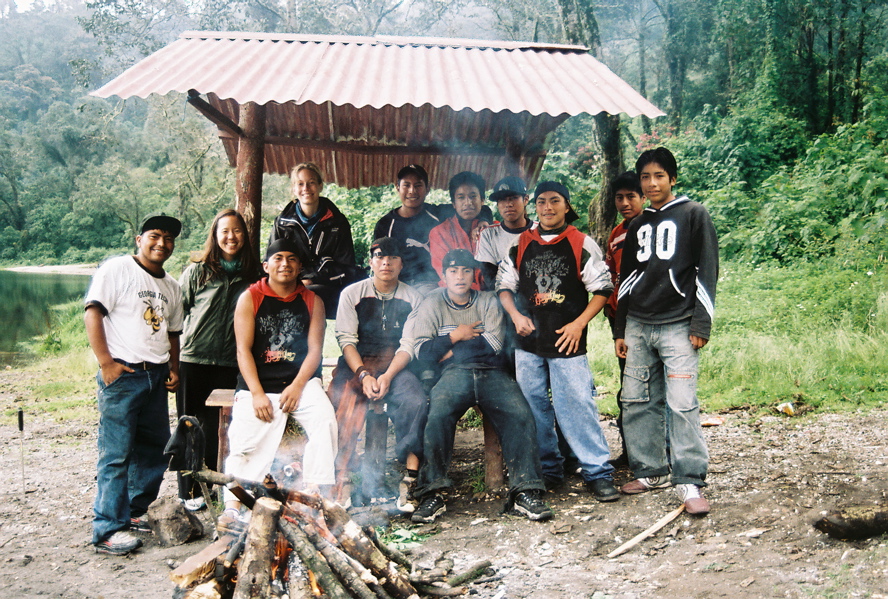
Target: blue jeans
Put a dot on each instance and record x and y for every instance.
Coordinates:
(573, 403)
(134, 427)
(660, 399)
(501, 401)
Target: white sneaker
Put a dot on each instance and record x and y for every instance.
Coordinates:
(195, 504)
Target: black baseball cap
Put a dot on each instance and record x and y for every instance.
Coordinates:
(163, 223)
(387, 246)
(508, 186)
(459, 257)
(413, 169)
(561, 190)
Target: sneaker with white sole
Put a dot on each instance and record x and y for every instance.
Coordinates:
(120, 543)
(694, 502)
(140, 524)
(648, 483)
(531, 505)
(195, 504)
(429, 508)
(405, 494)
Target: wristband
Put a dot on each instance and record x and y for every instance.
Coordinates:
(364, 374)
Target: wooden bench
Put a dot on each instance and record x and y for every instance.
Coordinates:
(373, 471)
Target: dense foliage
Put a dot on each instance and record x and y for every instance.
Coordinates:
(777, 113)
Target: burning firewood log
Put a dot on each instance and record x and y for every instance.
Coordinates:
(323, 544)
(254, 573)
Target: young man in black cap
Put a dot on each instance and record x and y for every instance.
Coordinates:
(371, 328)
(410, 223)
(510, 195)
(133, 322)
(544, 285)
(461, 329)
(279, 328)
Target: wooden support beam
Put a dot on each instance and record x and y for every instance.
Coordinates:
(370, 150)
(214, 115)
(250, 166)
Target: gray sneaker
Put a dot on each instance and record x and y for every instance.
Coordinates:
(120, 543)
(405, 494)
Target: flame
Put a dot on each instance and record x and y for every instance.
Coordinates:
(313, 582)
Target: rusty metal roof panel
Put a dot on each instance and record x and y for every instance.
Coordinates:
(384, 71)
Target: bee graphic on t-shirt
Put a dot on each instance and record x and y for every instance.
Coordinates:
(153, 316)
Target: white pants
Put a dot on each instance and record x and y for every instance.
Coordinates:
(253, 443)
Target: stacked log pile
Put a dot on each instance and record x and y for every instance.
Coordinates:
(300, 545)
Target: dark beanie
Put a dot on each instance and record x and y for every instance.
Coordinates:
(283, 245)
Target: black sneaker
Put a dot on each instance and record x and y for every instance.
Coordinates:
(139, 524)
(530, 505)
(552, 483)
(120, 543)
(603, 489)
(429, 508)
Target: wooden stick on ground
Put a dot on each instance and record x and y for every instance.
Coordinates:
(475, 571)
(647, 533)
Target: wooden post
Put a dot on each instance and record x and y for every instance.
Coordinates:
(250, 166)
(373, 464)
(254, 573)
(494, 479)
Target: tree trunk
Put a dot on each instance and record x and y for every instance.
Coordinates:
(602, 211)
(250, 166)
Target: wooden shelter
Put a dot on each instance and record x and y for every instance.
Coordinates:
(362, 107)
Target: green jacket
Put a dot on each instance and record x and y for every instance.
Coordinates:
(209, 317)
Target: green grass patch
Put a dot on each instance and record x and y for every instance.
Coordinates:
(815, 334)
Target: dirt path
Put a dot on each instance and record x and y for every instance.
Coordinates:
(771, 478)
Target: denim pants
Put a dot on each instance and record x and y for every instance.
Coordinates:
(573, 403)
(134, 427)
(660, 399)
(502, 403)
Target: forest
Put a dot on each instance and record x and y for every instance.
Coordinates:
(776, 109)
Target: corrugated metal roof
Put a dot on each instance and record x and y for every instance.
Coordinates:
(384, 71)
(388, 101)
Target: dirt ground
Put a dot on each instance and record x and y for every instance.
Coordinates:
(770, 477)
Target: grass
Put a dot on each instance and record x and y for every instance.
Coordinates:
(814, 334)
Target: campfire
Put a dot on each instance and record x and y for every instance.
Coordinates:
(298, 545)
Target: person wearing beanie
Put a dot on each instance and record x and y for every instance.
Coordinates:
(544, 284)
(373, 330)
(279, 330)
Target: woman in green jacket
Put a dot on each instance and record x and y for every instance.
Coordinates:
(211, 286)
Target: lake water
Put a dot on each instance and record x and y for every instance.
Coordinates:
(26, 301)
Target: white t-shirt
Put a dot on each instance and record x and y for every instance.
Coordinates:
(141, 310)
(495, 242)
